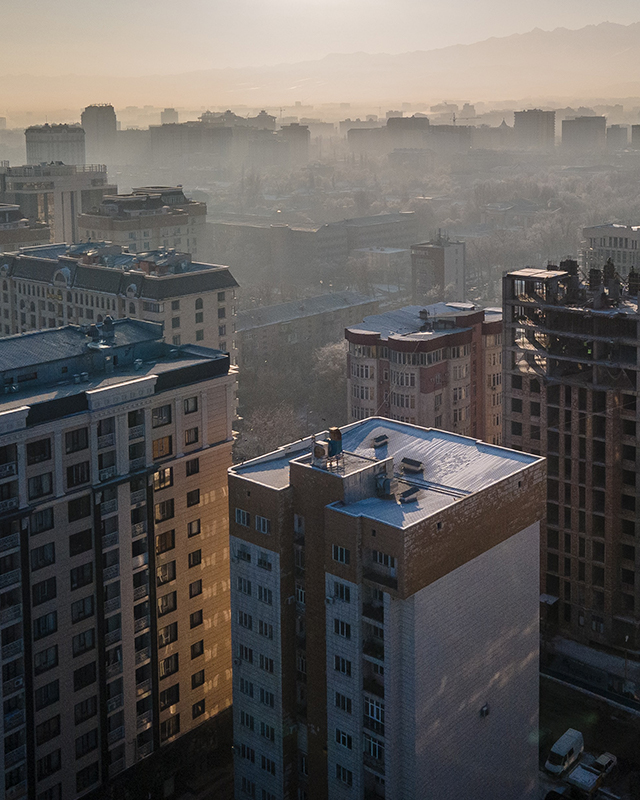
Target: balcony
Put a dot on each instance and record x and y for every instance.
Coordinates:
(373, 725)
(137, 463)
(380, 577)
(14, 719)
(373, 647)
(110, 540)
(9, 505)
(111, 572)
(9, 542)
(115, 703)
(143, 688)
(107, 473)
(115, 736)
(375, 764)
(12, 685)
(139, 496)
(9, 578)
(112, 670)
(140, 592)
(8, 469)
(145, 750)
(144, 720)
(112, 637)
(136, 432)
(117, 767)
(15, 756)
(19, 790)
(11, 614)
(141, 624)
(108, 507)
(373, 612)
(12, 649)
(373, 686)
(143, 655)
(140, 561)
(138, 529)
(112, 605)
(107, 440)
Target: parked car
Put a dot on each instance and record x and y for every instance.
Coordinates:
(605, 763)
(565, 752)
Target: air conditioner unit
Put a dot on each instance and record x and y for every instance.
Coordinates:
(237, 661)
(330, 600)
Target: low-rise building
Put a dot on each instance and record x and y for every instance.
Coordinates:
(16, 231)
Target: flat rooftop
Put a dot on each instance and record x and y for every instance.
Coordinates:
(454, 467)
(297, 309)
(407, 323)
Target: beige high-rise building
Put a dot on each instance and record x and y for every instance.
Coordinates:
(438, 366)
(55, 143)
(114, 605)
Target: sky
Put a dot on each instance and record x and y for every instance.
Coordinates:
(147, 37)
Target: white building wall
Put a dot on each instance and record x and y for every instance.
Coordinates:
(475, 642)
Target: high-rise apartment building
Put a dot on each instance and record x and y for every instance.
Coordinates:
(535, 129)
(438, 270)
(52, 286)
(51, 143)
(439, 365)
(147, 219)
(16, 231)
(384, 602)
(55, 194)
(100, 125)
(571, 374)
(114, 620)
(615, 241)
(585, 134)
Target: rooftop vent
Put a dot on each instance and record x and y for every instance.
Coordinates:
(411, 465)
(380, 441)
(410, 495)
(84, 376)
(423, 313)
(137, 364)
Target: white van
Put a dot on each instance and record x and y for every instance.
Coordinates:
(565, 752)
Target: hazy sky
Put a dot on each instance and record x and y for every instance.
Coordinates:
(119, 37)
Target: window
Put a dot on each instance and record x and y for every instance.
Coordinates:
(163, 478)
(265, 629)
(169, 666)
(267, 698)
(195, 558)
(47, 695)
(84, 676)
(247, 720)
(221, 297)
(243, 517)
(165, 573)
(40, 485)
(197, 649)
(267, 731)
(266, 663)
(222, 330)
(165, 541)
(268, 765)
(193, 466)
(168, 634)
(80, 542)
(43, 591)
(197, 679)
(48, 765)
(193, 528)
(344, 775)
(78, 474)
(161, 416)
(342, 628)
(163, 447)
(195, 619)
(76, 440)
(190, 405)
(344, 739)
(265, 595)
(45, 660)
(199, 318)
(85, 709)
(79, 508)
(163, 510)
(383, 559)
(82, 609)
(197, 709)
(193, 498)
(167, 603)
(246, 687)
(169, 697)
(342, 665)
(48, 730)
(248, 787)
(175, 305)
(45, 625)
(263, 525)
(341, 592)
(195, 588)
(341, 554)
(43, 556)
(86, 743)
(175, 322)
(191, 436)
(38, 451)
(81, 576)
(87, 777)
(41, 521)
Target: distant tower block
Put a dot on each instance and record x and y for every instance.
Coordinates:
(100, 126)
(169, 116)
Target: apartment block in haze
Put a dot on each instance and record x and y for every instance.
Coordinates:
(100, 126)
(54, 194)
(147, 219)
(615, 241)
(534, 129)
(114, 618)
(584, 134)
(438, 270)
(375, 592)
(571, 375)
(437, 365)
(16, 231)
(55, 143)
(52, 286)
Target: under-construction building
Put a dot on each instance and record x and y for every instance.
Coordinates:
(571, 385)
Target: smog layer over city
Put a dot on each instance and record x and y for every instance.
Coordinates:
(319, 420)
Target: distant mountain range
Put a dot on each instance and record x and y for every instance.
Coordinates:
(597, 61)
